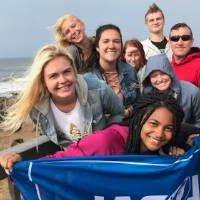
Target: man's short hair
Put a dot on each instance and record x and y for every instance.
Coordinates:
(153, 9)
(181, 25)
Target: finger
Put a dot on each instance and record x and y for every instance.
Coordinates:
(7, 160)
(12, 159)
(180, 152)
(3, 161)
(172, 149)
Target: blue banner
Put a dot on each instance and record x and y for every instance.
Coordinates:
(123, 177)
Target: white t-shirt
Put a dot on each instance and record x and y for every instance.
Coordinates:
(71, 123)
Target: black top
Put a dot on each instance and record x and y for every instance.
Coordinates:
(161, 45)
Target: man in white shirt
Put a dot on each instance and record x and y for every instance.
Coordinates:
(156, 43)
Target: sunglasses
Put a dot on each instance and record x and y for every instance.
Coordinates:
(176, 38)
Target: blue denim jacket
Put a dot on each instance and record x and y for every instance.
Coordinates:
(95, 97)
(128, 81)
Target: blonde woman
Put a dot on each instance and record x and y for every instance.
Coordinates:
(70, 33)
(63, 105)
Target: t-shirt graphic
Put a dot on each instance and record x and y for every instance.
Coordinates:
(74, 131)
(72, 123)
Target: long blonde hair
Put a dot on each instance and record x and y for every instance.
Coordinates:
(59, 37)
(35, 90)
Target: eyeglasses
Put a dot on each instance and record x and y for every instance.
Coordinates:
(176, 38)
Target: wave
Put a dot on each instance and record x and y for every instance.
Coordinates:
(11, 85)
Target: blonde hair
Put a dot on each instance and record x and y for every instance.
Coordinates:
(35, 90)
(59, 37)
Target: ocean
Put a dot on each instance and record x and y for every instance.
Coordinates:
(12, 71)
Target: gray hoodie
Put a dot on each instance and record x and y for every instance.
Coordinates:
(187, 94)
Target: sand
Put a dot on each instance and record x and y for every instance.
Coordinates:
(6, 139)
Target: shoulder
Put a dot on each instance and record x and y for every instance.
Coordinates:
(93, 82)
(189, 89)
(73, 49)
(89, 75)
(125, 68)
(146, 41)
(116, 131)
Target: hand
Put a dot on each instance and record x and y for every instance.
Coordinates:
(189, 140)
(176, 151)
(7, 161)
(128, 112)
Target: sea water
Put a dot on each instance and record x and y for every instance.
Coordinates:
(12, 72)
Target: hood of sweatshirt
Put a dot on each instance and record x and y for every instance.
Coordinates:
(160, 63)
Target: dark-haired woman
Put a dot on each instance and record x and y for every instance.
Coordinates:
(153, 127)
(121, 77)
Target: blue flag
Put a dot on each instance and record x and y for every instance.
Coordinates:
(121, 177)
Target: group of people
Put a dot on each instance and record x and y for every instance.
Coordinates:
(94, 96)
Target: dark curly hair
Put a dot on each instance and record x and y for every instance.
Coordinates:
(143, 107)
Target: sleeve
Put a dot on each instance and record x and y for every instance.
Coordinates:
(135, 82)
(198, 79)
(196, 108)
(104, 142)
(112, 104)
(76, 57)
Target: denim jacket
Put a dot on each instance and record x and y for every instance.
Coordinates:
(95, 98)
(128, 81)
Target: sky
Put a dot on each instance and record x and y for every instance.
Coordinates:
(27, 25)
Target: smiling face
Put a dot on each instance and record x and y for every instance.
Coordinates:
(60, 79)
(73, 30)
(109, 46)
(157, 131)
(160, 81)
(180, 48)
(155, 22)
(133, 56)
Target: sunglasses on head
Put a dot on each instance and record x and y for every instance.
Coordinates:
(176, 38)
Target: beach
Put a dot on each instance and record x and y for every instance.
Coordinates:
(6, 140)
(11, 82)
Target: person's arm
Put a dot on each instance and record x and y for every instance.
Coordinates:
(176, 151)
(7, 161)
(198, 79)
(112, 104)
(109, 141)
(196, 108)
(135, 84)
(76, 57)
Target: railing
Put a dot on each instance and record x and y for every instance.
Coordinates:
(32, 149)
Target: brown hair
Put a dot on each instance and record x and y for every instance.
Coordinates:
(135, 43)
(153, 9)
(181, 25)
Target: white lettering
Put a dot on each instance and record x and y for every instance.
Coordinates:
(182, 191)
(123, 198)
(160, 197)
(195, 188)
(98, 198)
(116, 198)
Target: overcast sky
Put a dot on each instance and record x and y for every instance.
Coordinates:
(26, 25)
